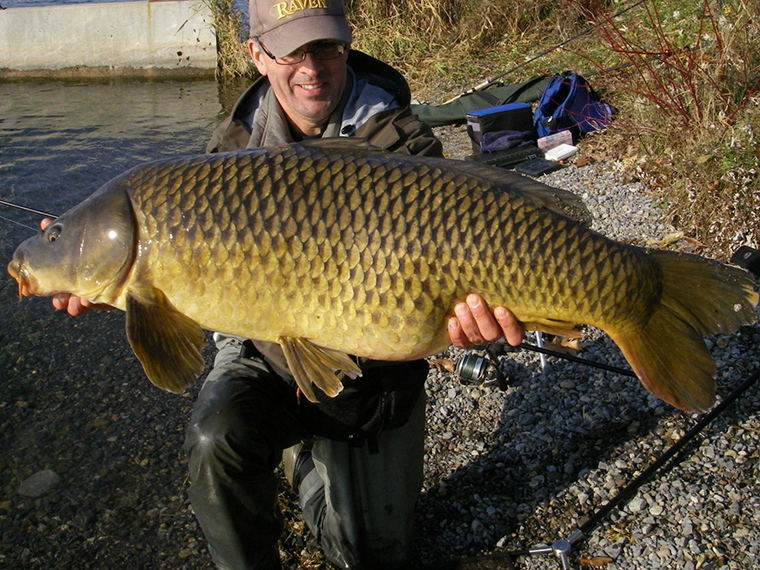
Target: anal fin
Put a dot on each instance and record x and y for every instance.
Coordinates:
(554, 327)
(312, 364)
(167, 343)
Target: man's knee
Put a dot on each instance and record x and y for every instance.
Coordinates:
(208, 432)
(242, 412)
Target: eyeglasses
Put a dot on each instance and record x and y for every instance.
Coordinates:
(322, 52)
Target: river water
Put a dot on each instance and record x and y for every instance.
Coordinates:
(59, 141)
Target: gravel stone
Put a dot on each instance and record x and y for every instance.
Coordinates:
(39, 483)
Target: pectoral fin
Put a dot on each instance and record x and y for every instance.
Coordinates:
(310, 363)
(167, 343)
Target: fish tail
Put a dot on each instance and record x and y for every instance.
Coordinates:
(699, 298)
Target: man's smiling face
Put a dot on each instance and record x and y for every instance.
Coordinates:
(308, 91)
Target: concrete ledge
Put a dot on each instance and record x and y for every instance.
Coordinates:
(171, 37)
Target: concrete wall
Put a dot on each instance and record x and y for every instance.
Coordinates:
(119, 38)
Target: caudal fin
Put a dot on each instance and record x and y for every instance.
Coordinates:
(700, 298)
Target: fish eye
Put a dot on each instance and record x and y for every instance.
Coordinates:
(53, 233)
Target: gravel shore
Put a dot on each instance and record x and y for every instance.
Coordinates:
(505, 469)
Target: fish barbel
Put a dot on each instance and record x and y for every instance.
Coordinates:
(331, 249)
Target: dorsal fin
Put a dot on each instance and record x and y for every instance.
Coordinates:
(349, 144)
(557, 200)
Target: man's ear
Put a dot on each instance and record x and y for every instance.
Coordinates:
(257, 55)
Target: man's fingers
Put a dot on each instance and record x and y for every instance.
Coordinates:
(487, 329)
(456, 334)
(73, 305)
(78, 306)
(510, 326)
(473, 324)
(468, 325)
(61, 301)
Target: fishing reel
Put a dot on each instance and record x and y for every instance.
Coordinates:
(475, 369)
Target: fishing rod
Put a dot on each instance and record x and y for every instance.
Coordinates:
(561, 548)
(475, 369)
(32, 210)
(26, 226)
(495, 80)
(486, 370)
(25, 209)
(571, 358)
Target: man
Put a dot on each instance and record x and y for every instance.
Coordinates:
(360, 473)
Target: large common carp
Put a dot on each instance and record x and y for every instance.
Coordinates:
(330, 250)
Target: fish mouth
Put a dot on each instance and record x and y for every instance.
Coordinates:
(20, 273)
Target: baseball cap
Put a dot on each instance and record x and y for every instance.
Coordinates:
(286, 25)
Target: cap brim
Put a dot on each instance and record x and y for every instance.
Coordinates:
(290, 36)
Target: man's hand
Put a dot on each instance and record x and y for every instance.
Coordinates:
(474, 324)
(72, 304)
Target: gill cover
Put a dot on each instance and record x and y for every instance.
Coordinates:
(88, 251)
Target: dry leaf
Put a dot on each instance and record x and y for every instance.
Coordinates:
(564, 345)
(596, 561)
(442, 364)
(669, 239)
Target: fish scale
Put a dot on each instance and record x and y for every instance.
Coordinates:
(330, 249)
(270, 199)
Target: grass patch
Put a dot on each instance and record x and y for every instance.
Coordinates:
(688, 95)
(233, 59)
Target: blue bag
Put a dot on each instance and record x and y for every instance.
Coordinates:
(569, 103)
